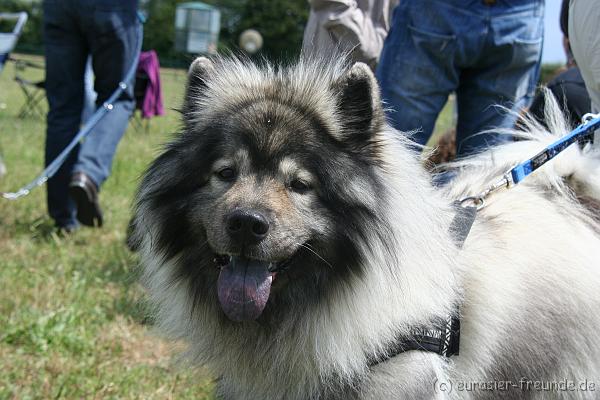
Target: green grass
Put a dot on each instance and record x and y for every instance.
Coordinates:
(73, 323)
(444, 122)
(72, 317)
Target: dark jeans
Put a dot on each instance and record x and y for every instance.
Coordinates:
(74, 29)
(487, 52)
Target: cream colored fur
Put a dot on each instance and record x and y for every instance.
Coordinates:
(527, 281)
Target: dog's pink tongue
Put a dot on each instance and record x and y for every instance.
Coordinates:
(244, 286)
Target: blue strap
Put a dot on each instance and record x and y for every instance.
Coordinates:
(581, 133)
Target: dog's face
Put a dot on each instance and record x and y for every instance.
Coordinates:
(263, 184)
(260, 198)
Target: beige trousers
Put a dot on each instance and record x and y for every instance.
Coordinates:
(355, 27)
(584, 36)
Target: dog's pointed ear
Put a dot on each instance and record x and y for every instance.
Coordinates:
(198, 74)
(359, 104)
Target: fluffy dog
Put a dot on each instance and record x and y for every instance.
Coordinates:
(293, 240)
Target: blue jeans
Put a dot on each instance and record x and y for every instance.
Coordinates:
(74, 29)
(488, 54)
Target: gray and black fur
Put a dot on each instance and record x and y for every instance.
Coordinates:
(360, 242)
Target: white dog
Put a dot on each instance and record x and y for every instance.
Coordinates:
(294, 240)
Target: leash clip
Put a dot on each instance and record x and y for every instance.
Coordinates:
(588, 117)
(472, 201)
(478, 201)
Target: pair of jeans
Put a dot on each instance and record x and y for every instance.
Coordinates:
(486, 51)
(74, 29)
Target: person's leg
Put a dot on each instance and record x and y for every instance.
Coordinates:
(65, 62)
(584, 36)
(112, 35)
(505, 77)
(89, 102)
(416, 71)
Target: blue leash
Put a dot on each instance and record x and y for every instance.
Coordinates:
(583, 133)
(55, 165)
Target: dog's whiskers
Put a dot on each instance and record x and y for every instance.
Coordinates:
(307, 247)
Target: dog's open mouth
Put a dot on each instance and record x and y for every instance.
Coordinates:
(244, 286)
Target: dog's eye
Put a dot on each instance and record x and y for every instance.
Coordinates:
(299, 185)
(226, 174)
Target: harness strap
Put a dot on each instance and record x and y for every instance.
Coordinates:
(461, 224)
(444, 337)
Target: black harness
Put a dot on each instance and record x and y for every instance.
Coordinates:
(443, 337)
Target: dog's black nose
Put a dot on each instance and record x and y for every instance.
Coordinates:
(247, 226)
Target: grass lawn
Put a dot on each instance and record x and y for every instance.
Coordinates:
(73, 322)
(72, 317)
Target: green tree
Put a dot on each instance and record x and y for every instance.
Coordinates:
(281, 23)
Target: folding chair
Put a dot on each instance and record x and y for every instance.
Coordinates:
(8, 40)
(34, 91)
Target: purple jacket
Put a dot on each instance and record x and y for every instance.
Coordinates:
(152, 103)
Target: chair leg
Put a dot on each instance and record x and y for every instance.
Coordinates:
(32, 106)
(37, 104)
(23, 110)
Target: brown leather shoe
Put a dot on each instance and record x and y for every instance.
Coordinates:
(85, 194)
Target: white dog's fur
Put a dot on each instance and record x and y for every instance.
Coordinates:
(527, 281)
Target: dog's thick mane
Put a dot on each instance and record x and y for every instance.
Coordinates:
(328, 345)
(331, 344)
(326, 348)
